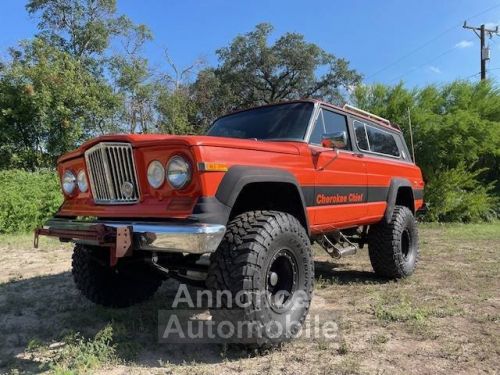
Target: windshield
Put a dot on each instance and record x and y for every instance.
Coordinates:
(282, 121)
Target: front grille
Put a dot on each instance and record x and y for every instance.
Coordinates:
(112, 174)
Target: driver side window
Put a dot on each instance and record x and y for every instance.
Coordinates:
(329, 122)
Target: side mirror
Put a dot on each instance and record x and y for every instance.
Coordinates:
(337, 140)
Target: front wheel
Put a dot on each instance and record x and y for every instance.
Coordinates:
(120, 286)
(393, 246)
(265, 263)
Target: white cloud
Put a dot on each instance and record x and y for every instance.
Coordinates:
(464, 44)
(435, 69)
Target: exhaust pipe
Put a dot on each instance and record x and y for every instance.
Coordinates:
(338, 246)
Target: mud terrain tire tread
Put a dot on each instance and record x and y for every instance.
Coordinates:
(384, 245)
(110, 287)
(241, 255)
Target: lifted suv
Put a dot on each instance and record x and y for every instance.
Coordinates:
(237, 209)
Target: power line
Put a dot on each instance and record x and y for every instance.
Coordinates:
(494, 70)
(422, 46)
(424, 64)
(472, 75)
(411, 53)
(478, 73)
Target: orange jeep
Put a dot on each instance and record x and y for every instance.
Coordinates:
(238, 208)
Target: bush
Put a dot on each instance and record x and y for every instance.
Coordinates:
(27, 199)
(457, 195)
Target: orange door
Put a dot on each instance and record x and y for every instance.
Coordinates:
(340, 190)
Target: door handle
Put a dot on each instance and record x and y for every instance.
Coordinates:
(359, 154)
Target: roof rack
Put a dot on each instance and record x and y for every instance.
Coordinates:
(367, 114)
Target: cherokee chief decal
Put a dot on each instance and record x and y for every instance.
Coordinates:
(339, 198)
(337, 195)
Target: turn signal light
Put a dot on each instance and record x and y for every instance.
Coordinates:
(212, 167)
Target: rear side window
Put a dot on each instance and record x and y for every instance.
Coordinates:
(370, 138)
(382, 142)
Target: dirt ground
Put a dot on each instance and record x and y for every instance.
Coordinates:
(444, 319)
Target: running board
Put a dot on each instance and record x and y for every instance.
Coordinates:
(337, 245)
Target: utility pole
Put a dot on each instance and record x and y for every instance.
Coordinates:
(485, 50)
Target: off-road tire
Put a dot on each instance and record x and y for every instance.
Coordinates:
(393, 246)
(252, 244)
(119, 286)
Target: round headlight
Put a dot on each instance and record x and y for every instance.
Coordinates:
(156, 174)
(81, 179)
(68, 182)
(178, 172)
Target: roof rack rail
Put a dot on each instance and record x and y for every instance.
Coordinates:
(366, 113)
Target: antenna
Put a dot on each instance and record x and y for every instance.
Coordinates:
(411, 136)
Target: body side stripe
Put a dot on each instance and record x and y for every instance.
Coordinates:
(338, 195)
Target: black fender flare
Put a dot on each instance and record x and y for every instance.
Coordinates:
(392, 195)
(238, 176)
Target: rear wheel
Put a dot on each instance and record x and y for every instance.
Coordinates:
(393, 246)
(120, 286)
(265, 256)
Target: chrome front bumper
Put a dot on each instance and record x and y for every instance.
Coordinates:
(164, 237)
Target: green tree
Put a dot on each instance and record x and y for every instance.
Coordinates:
(177, 111)
(134, 82)
(49, 103)
(81, 27)
(457, 141)
(252, 71)
(177, 106)
(56, 92)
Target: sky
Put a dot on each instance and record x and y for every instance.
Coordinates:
(417, 41)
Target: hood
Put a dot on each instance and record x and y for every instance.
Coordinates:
(147, 140)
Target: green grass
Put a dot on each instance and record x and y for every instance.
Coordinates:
(379, 339)
(477, 231)
(401, 307)
(80, 355)
(323, 283)
(349, 365)
(25, 241)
